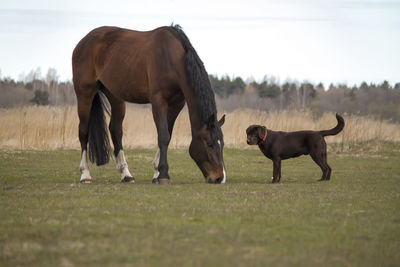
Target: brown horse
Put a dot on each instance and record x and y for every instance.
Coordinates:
(160, 67)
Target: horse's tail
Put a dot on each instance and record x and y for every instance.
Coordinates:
(197, 75)
(99, 143)
(337, 129)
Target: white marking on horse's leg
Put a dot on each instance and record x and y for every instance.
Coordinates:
(122, 166)
(84, 168)
(223, 180)
(156, 161)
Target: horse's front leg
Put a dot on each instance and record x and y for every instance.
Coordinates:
(156, 161)
(163, 142)
(160, 119)
(164, 115)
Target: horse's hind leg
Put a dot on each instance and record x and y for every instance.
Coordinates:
(84, 98)
(118, 109)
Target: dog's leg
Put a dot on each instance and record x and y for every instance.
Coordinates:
(279, 172)
(318, 158)
(327, 167)
(276, 171)
(328, 174)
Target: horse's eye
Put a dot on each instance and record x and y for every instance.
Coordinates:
(210, 144)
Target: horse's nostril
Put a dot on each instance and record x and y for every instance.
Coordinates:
(216, 181)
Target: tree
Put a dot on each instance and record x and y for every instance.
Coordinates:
(226, 86)
(34, 75)
(237, 86)
(52, 76)
(41, 98)
(29, 85)
(52, 83)
(385, 85)
(266, 89)
(320, 87)
(307, 90)
(216, 85)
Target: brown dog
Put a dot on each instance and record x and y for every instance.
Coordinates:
(278, 146)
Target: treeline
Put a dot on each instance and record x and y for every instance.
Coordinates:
(36, 92)
(381, 100)
(35, 89)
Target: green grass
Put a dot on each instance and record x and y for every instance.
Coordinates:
(48, 219)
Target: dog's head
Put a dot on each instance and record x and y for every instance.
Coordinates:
(255, 134)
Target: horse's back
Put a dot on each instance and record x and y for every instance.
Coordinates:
(123, 43)
(126, 60)
(96, 43)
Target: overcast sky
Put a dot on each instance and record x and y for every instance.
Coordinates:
(337, 41)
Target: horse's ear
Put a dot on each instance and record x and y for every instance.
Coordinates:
(221, 121)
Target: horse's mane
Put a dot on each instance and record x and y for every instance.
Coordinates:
(198, 78)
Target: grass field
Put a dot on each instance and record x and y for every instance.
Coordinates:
(49, 219)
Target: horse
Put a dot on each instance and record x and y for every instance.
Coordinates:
(112, 66)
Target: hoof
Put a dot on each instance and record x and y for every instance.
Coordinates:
(154, 181)
(86, 181)
(128, 179)
(163, 181)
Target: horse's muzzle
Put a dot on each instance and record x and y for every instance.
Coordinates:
(216, 181)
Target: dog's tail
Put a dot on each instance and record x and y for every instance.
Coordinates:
(334, 131)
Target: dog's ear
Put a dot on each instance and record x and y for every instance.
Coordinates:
(252, 129)
(261, 131)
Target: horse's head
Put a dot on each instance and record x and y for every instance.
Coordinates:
(206, 150)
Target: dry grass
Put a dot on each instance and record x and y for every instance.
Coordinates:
(33, 127)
